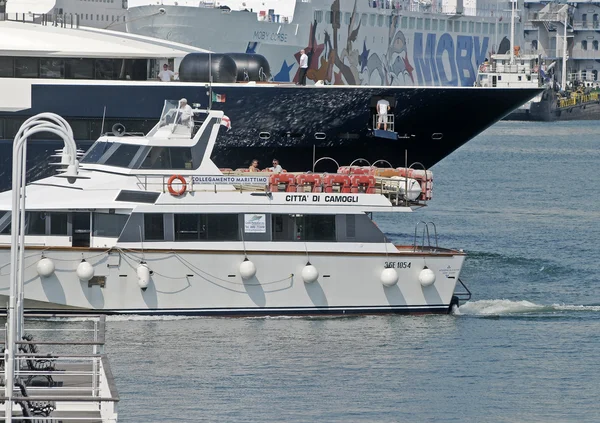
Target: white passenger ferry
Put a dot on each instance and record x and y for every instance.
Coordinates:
(157, 228)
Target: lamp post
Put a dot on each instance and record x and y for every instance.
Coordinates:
(43, 122)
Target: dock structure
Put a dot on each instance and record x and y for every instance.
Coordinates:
(69, 384)
(62, 373)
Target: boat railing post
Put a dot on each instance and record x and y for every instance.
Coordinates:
(95, 361)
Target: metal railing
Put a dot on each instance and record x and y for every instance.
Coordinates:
(577, 99)
(67, 20)
(394, 190)
(426, 237)
(390, 122)
(71, 378)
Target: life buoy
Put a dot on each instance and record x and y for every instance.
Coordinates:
(536, 68)
(483, 68)
(181, 190)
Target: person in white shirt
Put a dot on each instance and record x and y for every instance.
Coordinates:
(383, 106)
(276, 167)
(185, 114)
(166, 75)
(303, 68)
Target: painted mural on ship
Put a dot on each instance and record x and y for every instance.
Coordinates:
(441, 58)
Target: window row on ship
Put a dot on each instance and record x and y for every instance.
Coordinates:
(107, 228)
(91, 129)
(411, 22)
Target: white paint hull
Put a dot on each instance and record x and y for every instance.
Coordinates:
(209, 283)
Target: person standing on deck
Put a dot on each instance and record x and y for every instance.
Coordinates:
(383, 106)
(303, 68)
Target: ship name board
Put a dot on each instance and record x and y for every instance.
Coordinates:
(441, 61)
(282, 37)
(330, 198)
(230, 180)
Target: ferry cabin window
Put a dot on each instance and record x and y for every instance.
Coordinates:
(315, 227)
(337, 17)
(442, 25)
(106, 69)
(457, 26)
(46, 223)
(419, 23)
(328, 17)
(485, 28)
(95, 152)
(427, 24)
(492, 28)
(380, 20)
(404, 22)
(347, 18)
(478, 27)
(27, 67)
(168, 158)
(154, 227)
(463, 26)
(109, 225)
(5, 223)
(35, 223)
(303, 227)
(364, 19)
(372, 19)
(79, 68)
(434, 24)
(411, 23)
(59, 223)
(7, 67)
(206, 227)
(471, 27)
(52, 68)
(122, 156)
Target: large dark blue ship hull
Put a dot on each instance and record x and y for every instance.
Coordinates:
(295, 124)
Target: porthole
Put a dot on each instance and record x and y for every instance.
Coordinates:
(264, 135)
(437, 136)
(320, 135)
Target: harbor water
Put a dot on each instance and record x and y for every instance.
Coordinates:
(523, 200)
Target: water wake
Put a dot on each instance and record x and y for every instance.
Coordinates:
(508, 307)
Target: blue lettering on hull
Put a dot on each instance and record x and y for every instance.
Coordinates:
(441, 62)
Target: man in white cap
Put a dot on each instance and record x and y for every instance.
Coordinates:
(185, 113)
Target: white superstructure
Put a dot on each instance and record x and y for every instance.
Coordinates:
(568, 33)
(378, 42)
(157, 228)
(351, 42)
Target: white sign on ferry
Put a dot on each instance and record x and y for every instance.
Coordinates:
(255, 223)
(230, 180)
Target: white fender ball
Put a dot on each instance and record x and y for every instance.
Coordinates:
(143, 274)
(85, 271)
(389, 277)
(45, 267)
(426, 277)
(309, 273)
(247, 269)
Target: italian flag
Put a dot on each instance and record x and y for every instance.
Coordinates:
(218, 98)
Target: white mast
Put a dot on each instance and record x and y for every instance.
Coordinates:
(563, 83)
(512, 32)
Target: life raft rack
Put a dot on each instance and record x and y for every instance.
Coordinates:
(399, 184)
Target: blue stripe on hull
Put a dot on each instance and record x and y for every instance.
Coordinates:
(258, 311)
